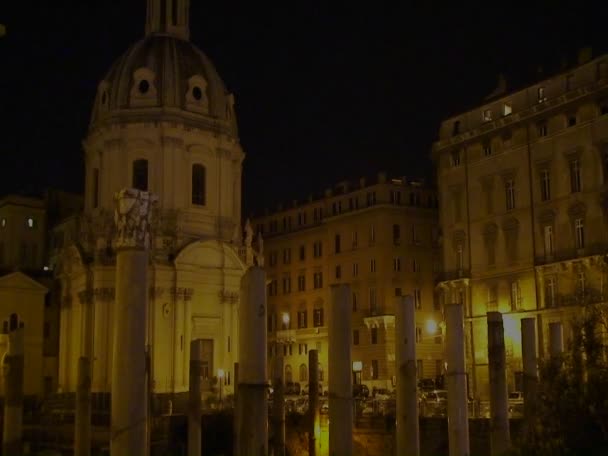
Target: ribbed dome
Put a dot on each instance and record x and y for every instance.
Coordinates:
(163, 75)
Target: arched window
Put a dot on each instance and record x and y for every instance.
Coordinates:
(140, 174)
(288, 374)
(303, 373)
(13, 322)
(198, 184)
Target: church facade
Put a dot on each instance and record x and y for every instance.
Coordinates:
(162, 122)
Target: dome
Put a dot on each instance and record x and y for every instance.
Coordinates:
(164, 77)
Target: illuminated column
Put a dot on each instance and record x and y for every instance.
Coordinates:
(278, 403)
(129, 377)
(235, 419)
(82, 420)
(12, 370)
(195, 409)
(340, 375)
(556, 339)
(529, 355)
(407, 392)
(458, 419)
(253, 409)
(314, 427)
(500, 438)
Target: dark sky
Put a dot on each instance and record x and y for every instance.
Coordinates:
(323, 92)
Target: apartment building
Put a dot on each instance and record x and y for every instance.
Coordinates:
(523, 182)
(378, 236)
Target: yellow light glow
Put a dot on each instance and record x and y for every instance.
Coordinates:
(220, 373)
(431, 326)
(285, 318)
(357, 366)
(2, 30)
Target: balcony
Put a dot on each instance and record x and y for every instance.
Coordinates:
(286, 336)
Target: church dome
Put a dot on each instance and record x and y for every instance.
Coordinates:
(164, 77)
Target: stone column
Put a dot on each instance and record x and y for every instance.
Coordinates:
(12, 370)
(407, 389)
(529, 355)
(500, 438)
(556, 339)
(458, 419)
(340, 373)
(195, 409)
(314, 426)
(235, 419)
(82, 419)
(253, 407)
(129, 377)
(278, 406)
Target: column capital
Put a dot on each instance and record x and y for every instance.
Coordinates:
(132, 217)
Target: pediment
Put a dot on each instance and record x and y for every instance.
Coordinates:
(20, 281)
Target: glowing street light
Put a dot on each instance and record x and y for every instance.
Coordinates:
(285, 318)
(431, 326)
(220, 376)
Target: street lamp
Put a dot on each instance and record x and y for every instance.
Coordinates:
(285, 317)
(357, 368)
(220, 376)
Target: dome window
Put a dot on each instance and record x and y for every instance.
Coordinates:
(196, 96)
(197, 93)
(143, 86)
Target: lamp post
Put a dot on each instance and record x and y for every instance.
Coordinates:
(285, 318)
(220, 376)
(357, 368)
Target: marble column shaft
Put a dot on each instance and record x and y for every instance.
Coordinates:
(529, 355)
(314, 421)
(195, 406)
(500, 437)
(278, 406)
(13, 371)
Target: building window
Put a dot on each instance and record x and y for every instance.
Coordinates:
(580, 283)
(396, 264)
(373, 303)
(575, 175)
(487, 149)
(271, 321)
(301, 218)
(303, 349)
(372, 265)
(548, 238)
(355, 269)
(418, 335)
(417, 299)
(455, 158)
(371, 198)
(542, 130)
(579, 232)
(317, 249)
(47, 330)
(550, 291)
(302, 253)
(398, 292)
(338, 272)
(356, 337)
(318, 317)
(515, 296)
(415, 199)
(374, 335)
(302, 319)
(396, 234)
(571, 120)
(337, 243)
(456, 128)
(486, 115)
(375, 372)
(272, 258)
(318, 280)
(303, 373)
(140, 175)
(317, 214)
(272, 287)
(354, 239)
(355, 299)
(510, 194)
(95, 188)
(603, 107)
(286, 285)
(545, 185)
(395, 197)
(302, 282)
(507, 109)
(415, 265)
(372, 234)
(492, 297)
(198, 184)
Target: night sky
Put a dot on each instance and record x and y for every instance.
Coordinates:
(323, 93)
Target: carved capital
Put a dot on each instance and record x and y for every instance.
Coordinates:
(132, 217)
(228, 296)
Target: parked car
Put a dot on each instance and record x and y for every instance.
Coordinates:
(292, 388)
(305, 389)
(426, 384)
(360, 390)
(435, 403)
(382, 394)
(516, 404)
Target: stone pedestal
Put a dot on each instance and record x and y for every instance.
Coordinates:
(129, 419)
(12, 370)
(500, 438)
(195, 405)
(252, 407)
(407, 389)
(278, 406)
(529, 355)
(314, 422)
(340, 372)
(458, 417)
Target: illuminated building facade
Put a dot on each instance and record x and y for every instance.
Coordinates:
(523, 182)
(381, 238)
